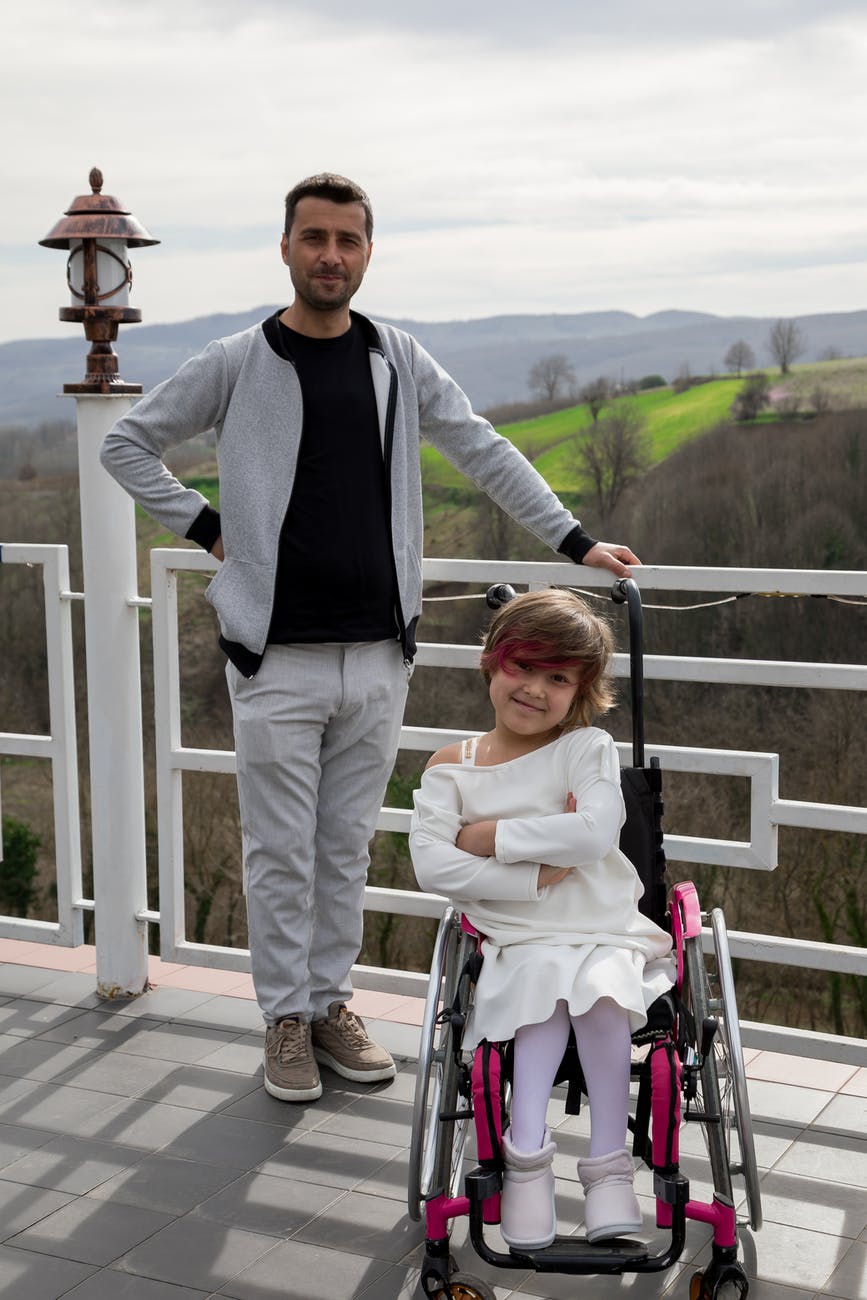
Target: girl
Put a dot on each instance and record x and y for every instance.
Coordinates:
(521, 826)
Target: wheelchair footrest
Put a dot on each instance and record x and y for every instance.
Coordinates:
(577, 1253)
(573, 1255)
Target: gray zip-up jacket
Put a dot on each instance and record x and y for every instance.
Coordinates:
(246, 388)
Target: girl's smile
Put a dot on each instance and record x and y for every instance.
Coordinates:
(532, 701)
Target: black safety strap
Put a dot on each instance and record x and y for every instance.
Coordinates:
(641, 1148)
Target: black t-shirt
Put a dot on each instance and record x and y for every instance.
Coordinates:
(335, 572)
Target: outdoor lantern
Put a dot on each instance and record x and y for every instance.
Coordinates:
(97, 229)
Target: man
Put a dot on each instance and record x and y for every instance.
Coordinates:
(318, 414)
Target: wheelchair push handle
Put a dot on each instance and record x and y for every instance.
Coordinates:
(625, 592)
(499, 595)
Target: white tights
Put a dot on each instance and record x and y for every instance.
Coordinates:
(603, 1039)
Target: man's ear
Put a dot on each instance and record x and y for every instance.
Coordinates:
(284, 248)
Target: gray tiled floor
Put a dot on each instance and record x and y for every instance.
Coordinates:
(140, 1159)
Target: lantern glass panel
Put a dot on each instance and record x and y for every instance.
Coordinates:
(113, 273)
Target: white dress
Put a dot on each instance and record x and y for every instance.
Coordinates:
(580, 939)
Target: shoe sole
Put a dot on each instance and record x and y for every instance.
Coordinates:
(617, 1230)
(293, 1094)
(357, 1076)
(522, 1246)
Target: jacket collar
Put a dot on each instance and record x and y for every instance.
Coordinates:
(275, 339)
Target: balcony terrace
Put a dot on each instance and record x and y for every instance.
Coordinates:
(141, 1159)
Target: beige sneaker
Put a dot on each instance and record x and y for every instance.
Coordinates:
(341, 1042)
(291, 1072)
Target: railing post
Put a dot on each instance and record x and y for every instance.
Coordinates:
(97, 230)
(113, 708)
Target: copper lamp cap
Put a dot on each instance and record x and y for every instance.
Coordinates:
(97, 216)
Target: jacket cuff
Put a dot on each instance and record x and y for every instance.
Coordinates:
(576, 544)
(205, 528)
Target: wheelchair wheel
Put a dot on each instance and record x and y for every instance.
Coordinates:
(724, 1097)
(726, 1283)
(464, 1286)
(437, 1139)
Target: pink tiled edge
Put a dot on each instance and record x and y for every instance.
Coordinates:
(799, 1071)
(199, 979)
(857, 1085)
(388, 1006)
(774, 1067)
(203, 979)
(47, 955)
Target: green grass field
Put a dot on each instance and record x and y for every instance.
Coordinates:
(550, 440)
(843, 381)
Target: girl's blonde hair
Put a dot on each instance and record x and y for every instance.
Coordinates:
(553, 629)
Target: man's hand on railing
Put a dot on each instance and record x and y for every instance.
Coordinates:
(609, 555)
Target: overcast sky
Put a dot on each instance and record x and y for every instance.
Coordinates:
(555, 157)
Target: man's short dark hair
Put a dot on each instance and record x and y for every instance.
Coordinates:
(337, 189)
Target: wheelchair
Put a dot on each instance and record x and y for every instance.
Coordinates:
(687, 1062)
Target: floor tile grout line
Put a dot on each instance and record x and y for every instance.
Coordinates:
(796, 1131)
(109, 1007)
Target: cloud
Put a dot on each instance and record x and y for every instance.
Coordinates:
(518, 159)
(548, 23)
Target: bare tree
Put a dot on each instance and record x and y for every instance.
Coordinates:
(739, 357)
(212, 854)
(495, 532)
(820, 399)
(684, 380)
(596, 394)
(550, 375)
(786, 342)
(616, 453)
(753, 397)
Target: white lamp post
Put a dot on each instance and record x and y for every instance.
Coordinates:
(98, 230)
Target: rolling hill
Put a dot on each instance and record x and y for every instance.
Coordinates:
(490, 358)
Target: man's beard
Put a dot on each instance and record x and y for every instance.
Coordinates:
(325, 300)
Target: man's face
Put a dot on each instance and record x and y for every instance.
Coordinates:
(327, 252)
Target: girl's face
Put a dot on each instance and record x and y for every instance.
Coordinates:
(530, 700)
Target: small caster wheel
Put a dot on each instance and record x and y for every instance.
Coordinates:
(464, 1286)
(728, 1283)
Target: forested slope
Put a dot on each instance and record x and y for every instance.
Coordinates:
(791, 494)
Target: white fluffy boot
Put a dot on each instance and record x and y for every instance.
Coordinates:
(611, 1207)
(528, 1219)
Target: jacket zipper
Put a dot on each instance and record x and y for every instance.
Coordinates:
(387, 453)
(290, 362)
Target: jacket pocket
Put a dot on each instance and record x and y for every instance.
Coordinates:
(242, 594)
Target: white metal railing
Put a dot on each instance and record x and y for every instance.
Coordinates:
(759, 851)
(767, 810)
(173, 759)
(58, 748)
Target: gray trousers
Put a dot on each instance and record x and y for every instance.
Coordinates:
(316, 733)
